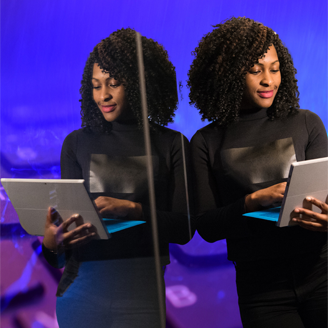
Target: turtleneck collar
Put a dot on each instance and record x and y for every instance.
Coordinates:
(261, 113)
(128, 125)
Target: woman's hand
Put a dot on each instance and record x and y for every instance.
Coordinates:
(265, 197)
(108, 206)
(310, 220)
(57, 237)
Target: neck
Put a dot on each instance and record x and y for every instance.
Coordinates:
(250, 110)
(127, 121)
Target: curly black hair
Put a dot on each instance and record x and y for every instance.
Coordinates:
(117, 55)
(223, 57)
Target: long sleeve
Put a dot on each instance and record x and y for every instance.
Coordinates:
(55, 260)
(70, 168)
(175, 224)
(252, 154)
(317, 137)
(213, 221)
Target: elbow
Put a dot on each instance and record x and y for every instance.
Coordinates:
(209, 232)
(209, 236)
(183, 238)
(191, 229)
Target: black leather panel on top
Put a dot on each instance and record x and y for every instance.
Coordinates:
(118, 174)
(258, 164)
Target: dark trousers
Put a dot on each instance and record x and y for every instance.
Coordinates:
(289, 293)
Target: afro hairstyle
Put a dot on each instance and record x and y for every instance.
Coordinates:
(117, 55)
(223, 58)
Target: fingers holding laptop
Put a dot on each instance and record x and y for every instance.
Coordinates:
(83, 233)
(308, 219)
(80, 235)
(109, 206)
(265, 197)
(57, 238)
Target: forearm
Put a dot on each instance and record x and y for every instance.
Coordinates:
(174, 227)
(57, 260)
(223, 222)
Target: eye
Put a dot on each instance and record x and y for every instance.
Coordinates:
(255, 72)
(114, 83)
(96, 87)
(275, 70)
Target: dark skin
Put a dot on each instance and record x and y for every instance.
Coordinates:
(265, 197)
(57, 238)
(311, 220)
(263, 76)
(109, 95)
(108, 206)
(304, 217)
(262, 84)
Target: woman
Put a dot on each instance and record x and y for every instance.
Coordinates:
(111, 283)
(243, 80)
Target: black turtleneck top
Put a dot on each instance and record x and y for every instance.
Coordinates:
(114, 165)
(252, 154)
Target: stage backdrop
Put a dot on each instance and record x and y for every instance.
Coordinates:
(44, 47)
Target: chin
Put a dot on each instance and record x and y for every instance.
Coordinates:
(265, 104)
(110, 117)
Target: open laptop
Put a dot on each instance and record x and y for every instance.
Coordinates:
(306, 178)
(32, 197)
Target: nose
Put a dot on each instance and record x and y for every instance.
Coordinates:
(105, 94)
(267, 79)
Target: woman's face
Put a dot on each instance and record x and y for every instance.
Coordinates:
(262, 82)
(109, 96)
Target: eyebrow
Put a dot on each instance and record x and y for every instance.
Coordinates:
(109, 78)
(270, 64)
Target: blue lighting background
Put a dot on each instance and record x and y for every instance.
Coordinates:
(44, 47)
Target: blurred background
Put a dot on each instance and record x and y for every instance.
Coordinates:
(44, 47)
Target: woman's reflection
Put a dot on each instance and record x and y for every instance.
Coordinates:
(111, 283)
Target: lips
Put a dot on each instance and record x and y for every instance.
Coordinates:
(265, 94)
(108, 108)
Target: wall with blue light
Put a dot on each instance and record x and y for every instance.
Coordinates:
(44, 47)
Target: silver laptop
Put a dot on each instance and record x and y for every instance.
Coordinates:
(306, 178)
(32, 197)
